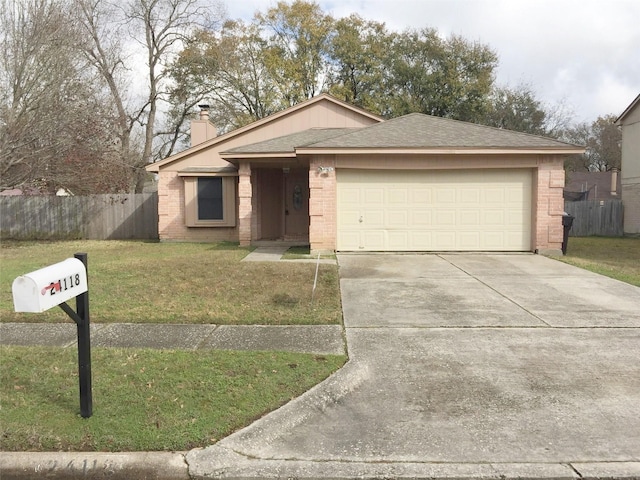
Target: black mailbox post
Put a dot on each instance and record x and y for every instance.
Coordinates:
(567, 222)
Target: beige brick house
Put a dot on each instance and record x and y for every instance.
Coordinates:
(630, 168)
(340, 178)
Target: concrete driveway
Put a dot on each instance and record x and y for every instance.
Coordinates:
(466, 366)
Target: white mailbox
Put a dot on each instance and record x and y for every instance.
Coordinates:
(50, 286)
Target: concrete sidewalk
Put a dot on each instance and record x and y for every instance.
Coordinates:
(274, 253)
(320, 339)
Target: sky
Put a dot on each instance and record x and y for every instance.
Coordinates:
(583, 54)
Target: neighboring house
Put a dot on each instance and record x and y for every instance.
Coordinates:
(340, 178)
(592, 186)
(630, 169)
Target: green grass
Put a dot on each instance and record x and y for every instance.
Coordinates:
(304, 253)
(617, 258)
(145, 400)
(147, 282)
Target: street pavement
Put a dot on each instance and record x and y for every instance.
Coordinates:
(461, 366)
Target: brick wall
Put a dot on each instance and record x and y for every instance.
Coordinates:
(171, 215)
(549, 205)
(322, 205)
(245, 204)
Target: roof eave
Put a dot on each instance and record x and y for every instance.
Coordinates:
(441, 151)
(256, 155)
(627, 110)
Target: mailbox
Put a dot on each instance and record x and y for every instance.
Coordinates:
(50, 286)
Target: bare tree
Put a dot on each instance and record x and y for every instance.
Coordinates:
(46, 99)
(119, 36)
(103, 24)
(166, 24)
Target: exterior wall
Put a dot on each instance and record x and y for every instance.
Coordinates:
(631, 203)
(322, 205)
(171, 215)
(549, 206)
(630, 171)
(245, 204)
(324, 113)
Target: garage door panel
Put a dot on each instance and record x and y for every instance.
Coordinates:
(434, 210)
(469, 218)
(494, 195)
(444, 240)
(398, 239)
(470, 195)
(373, 240)
(420, 218)
(420, 196)
(445, 195)
(398, 196)
(445, 217)
(373, 196)
(372, 218)
(398, 218)
(350, 240)
(468, 240)
(351, 196)
(420, 240)
(493, 217)
(516, 218)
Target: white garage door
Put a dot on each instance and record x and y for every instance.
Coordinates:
(446, 210)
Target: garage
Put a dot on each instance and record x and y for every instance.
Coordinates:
(434, 210)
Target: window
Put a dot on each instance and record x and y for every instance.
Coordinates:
(210, 200)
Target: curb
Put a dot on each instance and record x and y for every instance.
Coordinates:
(94, 465)
(220, 462)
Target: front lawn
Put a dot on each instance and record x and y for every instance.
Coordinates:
(617, 258)
(149, 282)
(145, 399)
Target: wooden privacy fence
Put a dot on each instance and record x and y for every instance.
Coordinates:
(596, 217)
(95, 217)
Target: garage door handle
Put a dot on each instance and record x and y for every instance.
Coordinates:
(361, 220)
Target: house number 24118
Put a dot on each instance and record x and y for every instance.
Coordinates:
(62, 285)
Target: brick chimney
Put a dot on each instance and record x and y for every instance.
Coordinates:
(201, 129)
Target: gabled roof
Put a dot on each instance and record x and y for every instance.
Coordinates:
(154, 167)
(418, 131)
(287, 144)
(415, 131)
(628, 110)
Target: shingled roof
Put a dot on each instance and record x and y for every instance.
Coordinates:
(412, 131)
(288, 143)
(417, 130)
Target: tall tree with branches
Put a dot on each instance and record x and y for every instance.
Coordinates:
(51, 114)
(153, 30)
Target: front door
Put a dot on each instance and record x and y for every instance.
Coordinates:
(296, 204)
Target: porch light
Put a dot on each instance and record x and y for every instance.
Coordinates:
(324, 170)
